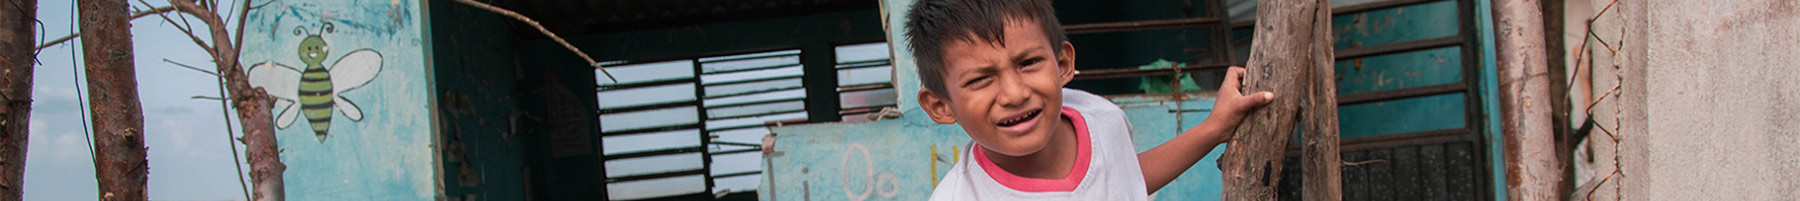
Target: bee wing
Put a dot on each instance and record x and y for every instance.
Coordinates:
(280, 81)
(355, 69)
(289, 112)
(349, 108)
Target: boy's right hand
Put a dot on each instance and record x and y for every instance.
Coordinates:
(1232, 105)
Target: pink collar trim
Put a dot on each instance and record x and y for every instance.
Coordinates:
(1067, 183)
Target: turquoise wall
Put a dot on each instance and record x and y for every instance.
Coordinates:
(387, 153)
(480, 118)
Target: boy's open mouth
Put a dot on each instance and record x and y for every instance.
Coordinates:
(1019, 123)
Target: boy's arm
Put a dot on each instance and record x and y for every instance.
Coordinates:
(1168, 160)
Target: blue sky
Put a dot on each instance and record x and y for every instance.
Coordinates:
(188, 145)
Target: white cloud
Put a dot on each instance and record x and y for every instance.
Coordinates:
(54, 93)
(69, 144)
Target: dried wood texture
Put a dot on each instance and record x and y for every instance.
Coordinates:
(1525, 103)
(118, 120)
(252, 104)
(17, 33)
(1291, 54)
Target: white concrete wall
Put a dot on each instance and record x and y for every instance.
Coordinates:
(1708, 104)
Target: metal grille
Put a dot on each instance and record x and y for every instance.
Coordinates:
(690, 128)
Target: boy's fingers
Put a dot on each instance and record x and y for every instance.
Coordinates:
(1259, 99)
(1232, 78)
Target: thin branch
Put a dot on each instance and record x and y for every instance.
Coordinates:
(238, 40)
(134, 16)
(207, 98)
(191, 67)
(1358, 163)
(540, 28)
(187, 32)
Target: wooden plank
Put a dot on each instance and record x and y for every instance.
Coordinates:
(1293, 55)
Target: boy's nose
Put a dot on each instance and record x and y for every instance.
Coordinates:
(1013, 93)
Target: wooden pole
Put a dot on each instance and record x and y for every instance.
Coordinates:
(1527, 128)
(1291, 54)
(17, 29)
(1320, 157)
(119, 159)
(252, 104)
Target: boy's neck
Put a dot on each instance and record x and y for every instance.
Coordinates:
(1053, 162)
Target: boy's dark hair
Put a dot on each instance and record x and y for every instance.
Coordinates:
(932, 23)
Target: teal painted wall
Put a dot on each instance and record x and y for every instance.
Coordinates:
(479, 116)
(388, 153)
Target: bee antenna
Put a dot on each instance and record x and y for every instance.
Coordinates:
(327, 28)
(299, 30)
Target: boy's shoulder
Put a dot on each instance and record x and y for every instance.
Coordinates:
(1088, 103)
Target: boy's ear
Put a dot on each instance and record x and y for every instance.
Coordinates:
(1065, 61)
(936, 106)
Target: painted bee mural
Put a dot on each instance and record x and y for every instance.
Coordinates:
(315, 92)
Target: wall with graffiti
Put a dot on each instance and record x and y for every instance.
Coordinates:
(353, 97)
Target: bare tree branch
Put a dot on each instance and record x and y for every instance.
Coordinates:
(252, 104)
(540, 28)
(134, 16)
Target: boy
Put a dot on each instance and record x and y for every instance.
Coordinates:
(997, 69)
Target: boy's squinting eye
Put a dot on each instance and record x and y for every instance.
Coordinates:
(978, 82)
(1030, 62)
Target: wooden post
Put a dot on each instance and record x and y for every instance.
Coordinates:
(17, 53)
(1291, 54)
(119, 158)
(252, 104)
(1525, 101)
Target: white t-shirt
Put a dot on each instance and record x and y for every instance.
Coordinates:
(1106, 165)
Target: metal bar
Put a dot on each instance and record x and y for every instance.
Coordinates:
(1385, 95)
(1138, 25)
(656, 106)
(863, 64)
(734, 174)
(735, 151)
(1466, 16)
(651, 130)
(1421, 44)
(1405, 139)
(657, 152)
(1132, 72)
(780, 53)
(758, 91)
(865, 87)
(1350, 9)
(705, 137)
(784, 65)
(701, 172)
(739, 144)
(1394, 140)
(1377, 5)
(760, 114)
(755, 102)
(645, 84)
(755, 80)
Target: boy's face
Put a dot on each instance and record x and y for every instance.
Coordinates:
(1008, 98)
